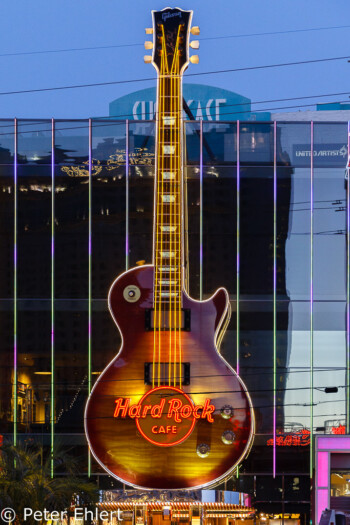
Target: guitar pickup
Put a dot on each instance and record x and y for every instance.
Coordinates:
(167, 374)
(167, 320)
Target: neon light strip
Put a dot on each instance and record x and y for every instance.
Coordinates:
(201, 212)
(127, 195)
(348, 288)
(89, 276)
(311, 299)
(52, 294)
(238, 226)
(274, 293)
(15, 173)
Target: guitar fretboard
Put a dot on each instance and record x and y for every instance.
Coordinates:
(168, 222)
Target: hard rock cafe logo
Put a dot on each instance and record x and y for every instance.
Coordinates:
(165, 415)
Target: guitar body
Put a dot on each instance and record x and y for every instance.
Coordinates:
(168, 412)
(118, 444)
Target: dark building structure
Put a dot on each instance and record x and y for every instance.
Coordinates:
(266, 219)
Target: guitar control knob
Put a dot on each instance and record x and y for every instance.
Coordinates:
(203, 450)
(131, 293)
(228, 437)
(226, 411)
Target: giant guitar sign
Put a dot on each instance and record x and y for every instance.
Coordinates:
(168, 412)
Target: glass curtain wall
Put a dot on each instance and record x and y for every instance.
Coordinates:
(267, 219)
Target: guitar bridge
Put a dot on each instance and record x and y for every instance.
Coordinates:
(167, 374)
(168, 320)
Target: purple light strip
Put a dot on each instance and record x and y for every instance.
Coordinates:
(90, 277)
(238, 226)
(274, 292)
(311, 299)
(15, 364)
(334, 443)
(89, 258)
(322, 469)
(127, 174)
(348, 288)
(52, 408)
(201, 212)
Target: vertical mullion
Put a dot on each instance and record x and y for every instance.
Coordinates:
(274, 292)
(52, 293)
(348, 287)
(89, 276)
(201, 212)
(311, 300)
(127, 174)
(238, 225)
(15, 287)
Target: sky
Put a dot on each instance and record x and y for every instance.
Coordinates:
(50, 25)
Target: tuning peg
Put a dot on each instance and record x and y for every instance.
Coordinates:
(194, 44)
(194, 59)
(148, 45)
(149, 30)
(195, 30)
(147, 59)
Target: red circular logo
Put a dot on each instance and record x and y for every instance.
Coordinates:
(167, 416)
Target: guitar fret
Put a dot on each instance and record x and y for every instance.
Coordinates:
(171, 241)
(168, 121)
(168, 149)
(168, 198)
(168, 175)
(168, 228)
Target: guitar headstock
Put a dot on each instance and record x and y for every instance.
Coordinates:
(170, 45)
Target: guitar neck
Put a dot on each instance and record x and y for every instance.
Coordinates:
(169, 214)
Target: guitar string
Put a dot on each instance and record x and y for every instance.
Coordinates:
(160, 211)
(155, 259)
(180, 220)
(177, 247)
(157, 247)
(175, 204)
(171, 207)
(172, 214)
(174, 243)
(167, 313)
(164, 69)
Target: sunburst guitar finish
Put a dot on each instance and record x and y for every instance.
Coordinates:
(168, 412)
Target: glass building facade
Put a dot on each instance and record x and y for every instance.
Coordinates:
(267, 219)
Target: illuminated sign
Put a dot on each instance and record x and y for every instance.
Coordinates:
(165, 415)
(324, 154)
(294, 439)
(338, 430)
(205, 103)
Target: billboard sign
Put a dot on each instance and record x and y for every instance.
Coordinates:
(205, 102)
